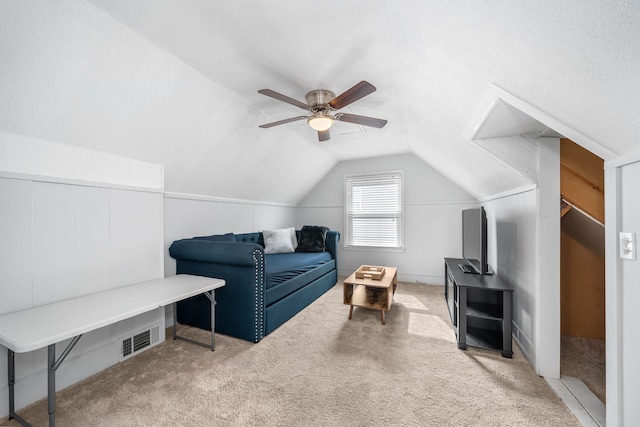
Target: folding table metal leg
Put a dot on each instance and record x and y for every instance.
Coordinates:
(210, 297)
(52, 367)
(11, 365)
(11, 362)
(11, 376)
(213, 318)
(175, 320)
(51, 384)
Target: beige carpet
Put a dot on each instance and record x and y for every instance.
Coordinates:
(584, 358)
(320, 369)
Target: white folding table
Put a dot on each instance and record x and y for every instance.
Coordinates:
(46, 325)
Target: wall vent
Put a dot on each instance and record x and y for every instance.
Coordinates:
(139, 341)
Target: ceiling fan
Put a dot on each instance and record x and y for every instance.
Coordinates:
(321, 103)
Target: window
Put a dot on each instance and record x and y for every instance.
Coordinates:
(373, 206)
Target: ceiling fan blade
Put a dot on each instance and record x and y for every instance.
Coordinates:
(361, 120)
(281, 122)
(324, 135)
(360, 90)
(283, 98)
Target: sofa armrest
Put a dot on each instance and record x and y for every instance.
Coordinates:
(240, 304)
(331, 244)
(227, 253)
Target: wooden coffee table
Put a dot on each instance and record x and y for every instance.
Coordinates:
(370, 293)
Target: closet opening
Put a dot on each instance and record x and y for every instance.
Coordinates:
(582, 268)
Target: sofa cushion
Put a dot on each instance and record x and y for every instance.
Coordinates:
(279, 266)
(286, 273)
(312, 239)
(278, 241)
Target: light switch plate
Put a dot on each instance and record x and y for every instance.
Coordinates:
(628, 246)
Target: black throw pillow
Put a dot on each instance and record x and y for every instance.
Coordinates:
(312, 239)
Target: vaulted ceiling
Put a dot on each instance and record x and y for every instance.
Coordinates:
(175, 82)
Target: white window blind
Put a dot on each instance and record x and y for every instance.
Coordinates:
(374, 210)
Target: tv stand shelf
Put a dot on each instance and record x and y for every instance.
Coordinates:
(480, 308)
(484, 310)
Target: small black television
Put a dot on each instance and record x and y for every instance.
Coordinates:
(474, 240)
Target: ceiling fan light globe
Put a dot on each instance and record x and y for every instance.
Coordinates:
(321, 122)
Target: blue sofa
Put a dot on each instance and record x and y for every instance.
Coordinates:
(262, 291)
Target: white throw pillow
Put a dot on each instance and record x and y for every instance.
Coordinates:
(277, 241)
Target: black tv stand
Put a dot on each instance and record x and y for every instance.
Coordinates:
(466, 268)
(480, 308)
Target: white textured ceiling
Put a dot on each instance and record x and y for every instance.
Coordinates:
(175, 82)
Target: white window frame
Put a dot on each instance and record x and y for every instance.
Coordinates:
(399, 216)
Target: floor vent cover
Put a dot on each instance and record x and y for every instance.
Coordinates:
(139, 341)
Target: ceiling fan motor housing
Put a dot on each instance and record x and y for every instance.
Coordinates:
(319, 97)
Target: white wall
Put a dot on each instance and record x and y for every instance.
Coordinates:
(20, 154)
(432, 204)
(547, 314)
(524, 249)
(64, 237)
(623, 296)
(512, 231)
